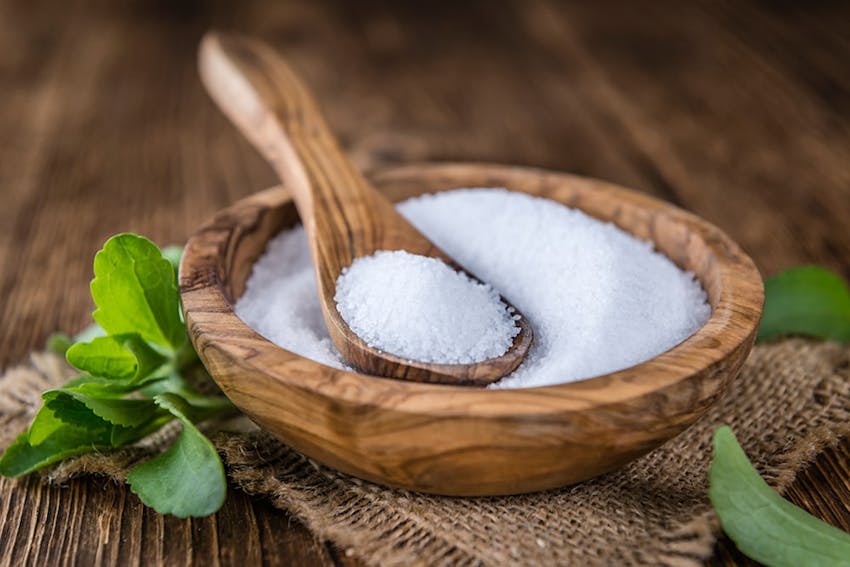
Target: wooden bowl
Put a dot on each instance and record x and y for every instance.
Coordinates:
(466, 441)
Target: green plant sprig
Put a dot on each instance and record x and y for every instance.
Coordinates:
(763, 525)
(132, 364)
(809, 301)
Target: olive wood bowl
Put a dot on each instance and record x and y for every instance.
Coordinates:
(458, 440)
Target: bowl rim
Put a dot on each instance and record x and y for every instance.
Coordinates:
(732, 325)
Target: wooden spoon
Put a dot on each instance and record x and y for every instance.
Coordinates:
(344, 216)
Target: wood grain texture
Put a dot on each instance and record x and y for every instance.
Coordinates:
(459, 441)
(98, 522)
(738, 111)
(344, 216)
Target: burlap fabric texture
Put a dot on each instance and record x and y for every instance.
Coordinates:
(791, 400)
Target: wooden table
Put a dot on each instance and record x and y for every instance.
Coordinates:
(737, 111)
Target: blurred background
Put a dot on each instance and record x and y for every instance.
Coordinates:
(736, 110)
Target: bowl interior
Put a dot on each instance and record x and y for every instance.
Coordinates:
(689, 242)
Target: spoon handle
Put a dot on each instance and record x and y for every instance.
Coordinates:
(258, 91)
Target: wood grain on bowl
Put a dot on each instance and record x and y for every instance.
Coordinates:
(463, 441)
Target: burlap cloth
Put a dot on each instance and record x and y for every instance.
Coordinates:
(791, 400)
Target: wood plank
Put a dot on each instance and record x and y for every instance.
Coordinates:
(757, 135)
(95, 521)
(813, 50)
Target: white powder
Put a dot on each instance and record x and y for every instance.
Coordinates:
(421, 309)
(598, 300)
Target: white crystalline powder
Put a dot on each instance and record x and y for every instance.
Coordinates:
(421, 309)
(598, 299)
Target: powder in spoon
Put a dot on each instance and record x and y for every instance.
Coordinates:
(421, 309)
(597, 298)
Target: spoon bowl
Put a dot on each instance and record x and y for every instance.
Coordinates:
(467, 441)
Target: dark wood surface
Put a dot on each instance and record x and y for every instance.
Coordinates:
(739, 111)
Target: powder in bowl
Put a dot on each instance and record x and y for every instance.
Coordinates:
(419, 308)
(597, 298)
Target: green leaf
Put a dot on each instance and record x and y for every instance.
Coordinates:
(124, 435)
(806, 301)
(49, 440)
(173, 253)
(62, 410)
(22, 458)
(763, 525)
(65, 427)
(132, 358)
(59, 343)
(43, 425)
(201, 407)
(118, 411)
(187, 479)
(96, 386)
(122, 357)
(114, 421)
(104, 356)
(135, 291)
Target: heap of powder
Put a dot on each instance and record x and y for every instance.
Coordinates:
(421, 309)
(597, 298)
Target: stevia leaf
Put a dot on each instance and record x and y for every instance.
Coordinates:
(59, 343)
(67, 411)
(806, 301)
(49, 440)
(173, 253)
(201, 407)
(763, 525)
(96, 386)
(112, 421)
(22, 458)
(124, 435)
(78, 403)
(122, 357)
(43, 425)
(118, 411)
(104, 356)
(135, 291)
(187, 479)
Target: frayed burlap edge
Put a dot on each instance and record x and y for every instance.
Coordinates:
(791, 401)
